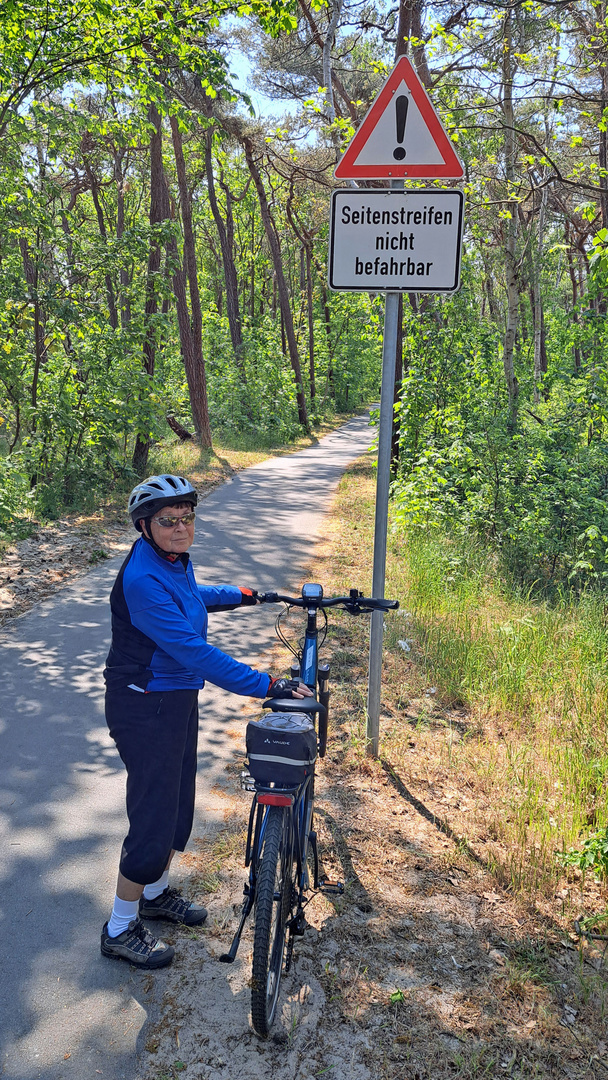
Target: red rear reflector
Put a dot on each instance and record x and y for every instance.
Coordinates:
(275, 800)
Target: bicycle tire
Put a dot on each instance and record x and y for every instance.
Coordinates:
(273, 902)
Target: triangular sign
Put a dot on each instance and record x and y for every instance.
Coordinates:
(401, 136)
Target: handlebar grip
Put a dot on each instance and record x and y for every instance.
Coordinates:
(268, 598)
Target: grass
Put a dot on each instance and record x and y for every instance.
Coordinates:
(505, 699)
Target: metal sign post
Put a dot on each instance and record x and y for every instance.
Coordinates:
(389, 357)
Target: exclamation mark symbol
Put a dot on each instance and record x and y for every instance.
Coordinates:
(401, 105)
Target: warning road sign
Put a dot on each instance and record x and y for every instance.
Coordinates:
(401, 135)
(395, 241)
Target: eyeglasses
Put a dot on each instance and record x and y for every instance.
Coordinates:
(173, 522)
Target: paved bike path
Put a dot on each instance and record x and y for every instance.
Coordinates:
(65, 1012)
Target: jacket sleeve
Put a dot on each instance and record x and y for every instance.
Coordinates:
(155, 613)
(220, 597)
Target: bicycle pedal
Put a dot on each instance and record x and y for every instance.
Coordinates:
(332, 888)
(247, 782)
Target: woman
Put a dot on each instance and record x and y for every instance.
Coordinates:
(158, 661)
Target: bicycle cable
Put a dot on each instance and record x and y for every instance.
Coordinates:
(281, 636)
(324, 628)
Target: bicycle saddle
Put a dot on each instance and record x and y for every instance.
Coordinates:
(308, 704)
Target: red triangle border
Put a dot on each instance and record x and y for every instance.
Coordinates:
(452, 166)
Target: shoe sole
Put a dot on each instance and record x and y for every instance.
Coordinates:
(148, 965)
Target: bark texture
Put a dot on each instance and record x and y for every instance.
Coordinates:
(281, 284)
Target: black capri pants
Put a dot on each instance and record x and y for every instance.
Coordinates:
(156, 736)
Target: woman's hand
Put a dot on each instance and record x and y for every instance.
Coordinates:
(288, 688)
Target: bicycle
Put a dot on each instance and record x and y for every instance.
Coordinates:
(281, 851)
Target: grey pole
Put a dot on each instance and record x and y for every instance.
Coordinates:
(389, 356)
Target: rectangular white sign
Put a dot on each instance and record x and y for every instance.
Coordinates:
(395, 241)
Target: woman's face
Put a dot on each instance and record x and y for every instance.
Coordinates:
(176, 538)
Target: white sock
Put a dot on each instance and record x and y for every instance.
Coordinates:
(157, 887)
(123, 912)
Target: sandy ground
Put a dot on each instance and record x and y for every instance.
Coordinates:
(57, 553)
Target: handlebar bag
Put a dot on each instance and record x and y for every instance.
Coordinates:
(281, 747)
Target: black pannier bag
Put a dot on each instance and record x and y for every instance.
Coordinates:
(282, 748)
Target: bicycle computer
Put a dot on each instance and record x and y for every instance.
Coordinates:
(310, 591)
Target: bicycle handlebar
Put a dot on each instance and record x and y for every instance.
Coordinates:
(355, 603)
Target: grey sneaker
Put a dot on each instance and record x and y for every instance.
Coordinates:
(171, 905)
(138, 946)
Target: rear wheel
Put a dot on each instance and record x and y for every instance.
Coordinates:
(274, 893)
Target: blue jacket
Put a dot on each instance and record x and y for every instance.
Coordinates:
(159, 629)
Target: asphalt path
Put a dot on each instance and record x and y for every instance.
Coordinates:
(65, 1011)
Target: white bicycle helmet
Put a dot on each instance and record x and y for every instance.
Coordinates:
(158, 491)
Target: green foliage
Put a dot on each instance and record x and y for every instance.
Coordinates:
(593, 856)
(535, 489)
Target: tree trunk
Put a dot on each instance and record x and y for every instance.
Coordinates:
(574, 283)
(318, 40)
(404, 29)
(198, 384)
(311, 329)
(326, 55)
(124, 302)
(184, 324)
(603, 141)
(94, 186)
(275, 250)
(539, 321)
(409, 27)
(227, 250)
(31, 273)
(182, 433)
(511, 268)
(159, 210)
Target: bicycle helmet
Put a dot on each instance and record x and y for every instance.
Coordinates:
(158, 491)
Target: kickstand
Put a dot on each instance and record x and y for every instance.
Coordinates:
(228, 958)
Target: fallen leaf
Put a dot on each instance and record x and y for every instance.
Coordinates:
(498, 957)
